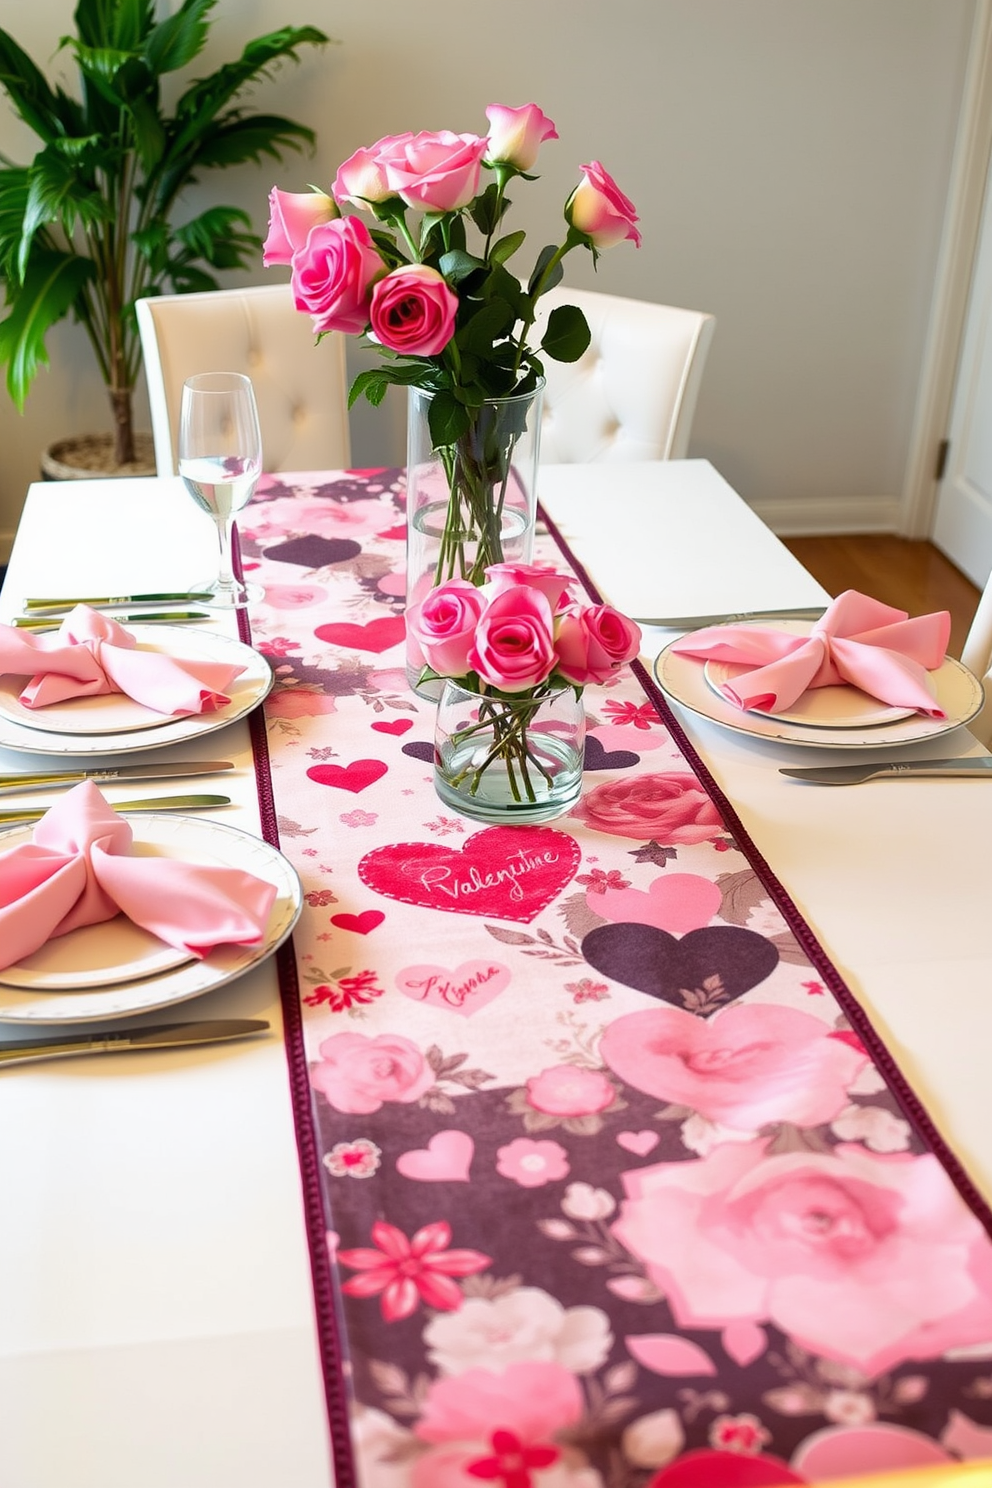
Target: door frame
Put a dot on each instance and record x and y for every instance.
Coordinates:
(952, 283)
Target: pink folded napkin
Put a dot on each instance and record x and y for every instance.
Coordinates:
(78, 870)
(859, 641)
(91, 654)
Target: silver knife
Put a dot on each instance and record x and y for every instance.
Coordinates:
(164, 1036)
(37, 623)
(975, 769)
(159, 803)
(698, 622)
(54, 779)
(194, 596)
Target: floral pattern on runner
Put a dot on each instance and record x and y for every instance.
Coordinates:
(617, 1192)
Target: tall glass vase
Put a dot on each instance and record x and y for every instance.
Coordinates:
(470, 503)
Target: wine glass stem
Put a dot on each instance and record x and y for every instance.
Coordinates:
(225, 567)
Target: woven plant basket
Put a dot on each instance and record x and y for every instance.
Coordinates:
(91, 457)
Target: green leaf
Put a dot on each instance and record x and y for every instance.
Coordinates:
(555, 277)
(457, 265)
(506, 247)
(236, 139)
(447, 418)
(484, 327)
(49, 291)
(57, 193)
(222, 236)
(50, 114)
(174, 42)
(503, 285)
(487, 211)
(567, 335)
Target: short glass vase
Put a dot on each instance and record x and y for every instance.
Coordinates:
(509, 759)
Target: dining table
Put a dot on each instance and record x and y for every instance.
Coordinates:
(202, 1284)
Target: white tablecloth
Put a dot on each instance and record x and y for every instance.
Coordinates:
(156, 1321)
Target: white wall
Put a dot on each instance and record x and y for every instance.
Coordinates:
(789, 159)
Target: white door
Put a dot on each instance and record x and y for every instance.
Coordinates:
(962, 526)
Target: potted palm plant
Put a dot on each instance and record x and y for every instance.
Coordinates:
(90, 224)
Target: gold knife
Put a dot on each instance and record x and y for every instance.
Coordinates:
(159, 803)
(37, 623)
(194, 596)
(44, 780)
(163, 1036)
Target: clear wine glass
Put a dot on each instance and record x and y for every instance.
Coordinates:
(220, 461)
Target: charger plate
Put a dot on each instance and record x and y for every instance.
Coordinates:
(959, 693)
(124, 970)
(115, 724)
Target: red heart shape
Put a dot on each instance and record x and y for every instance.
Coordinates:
(376, 635)
(511, 873)
(362, 923)
(354, 777)
(393, 726)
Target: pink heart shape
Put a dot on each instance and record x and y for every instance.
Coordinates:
(640, 1143)
(464, 989)
(362, 924)
(676, 902)
(446, 1159)
(395, 726)
(376, 635)
(511, 873)
(354, 777)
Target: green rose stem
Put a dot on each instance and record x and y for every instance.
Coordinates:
(509, 719)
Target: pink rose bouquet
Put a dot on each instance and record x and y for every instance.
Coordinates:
(514, 641)
(447, 317)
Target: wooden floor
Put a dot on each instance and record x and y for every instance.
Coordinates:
(914, 576)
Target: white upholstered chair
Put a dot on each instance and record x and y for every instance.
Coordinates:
(632, 395)
(300, 388)
(977, 657)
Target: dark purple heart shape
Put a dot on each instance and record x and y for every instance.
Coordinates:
(596, 757)
(655, 962)
(420, 749)
(314, 552)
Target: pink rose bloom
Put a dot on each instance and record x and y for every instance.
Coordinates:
(291, 216)
(433, 172)
(516, 134)
(598, 208)
(358, 1074)
(866, 1260)
(552, 584)
(751, 1064)
(445, 624)
(294, 596)
(667, 806)
(593, 642)
(333, 275)
(533, 1399)
(362, 179)
(569, 1090)
(513, 649)
(532, 1164)
(413, 311)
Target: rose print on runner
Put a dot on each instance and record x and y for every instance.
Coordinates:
(667, 806)
(523, 1324)
(862, 1259)
(745, 1067)
(358, 1074)
(405, 1272)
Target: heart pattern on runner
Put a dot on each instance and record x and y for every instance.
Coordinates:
(357, 776)
(377, 635)
(508, 873)
(463, 989)
(652, 961)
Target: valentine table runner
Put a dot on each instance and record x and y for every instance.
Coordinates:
(610, 1183)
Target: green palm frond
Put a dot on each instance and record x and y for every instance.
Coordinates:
(46, 295)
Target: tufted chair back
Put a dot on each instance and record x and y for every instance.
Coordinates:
(301, 390)
(632, 396)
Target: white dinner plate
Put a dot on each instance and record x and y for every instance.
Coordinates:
(110, 725)
(959, 693)
(124, 970)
